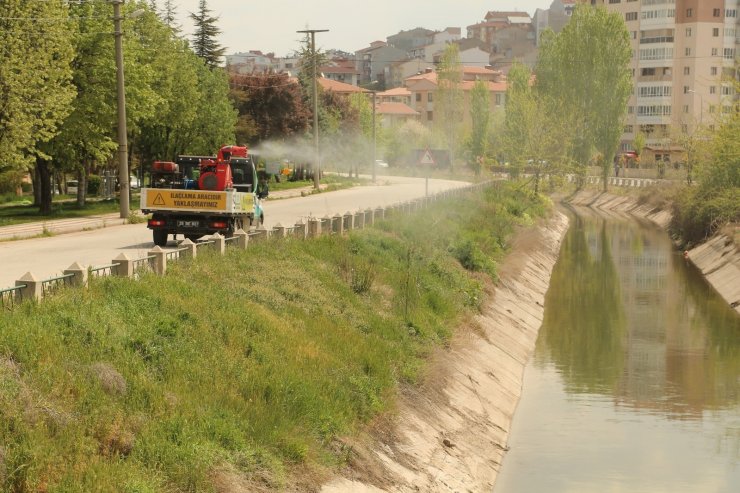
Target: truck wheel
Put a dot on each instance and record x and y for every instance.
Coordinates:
(160, 237)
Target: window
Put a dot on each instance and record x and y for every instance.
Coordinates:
(729, 53)
(712, 89)
(686, 89)
(689, 12)
(687, 52)
(717, 12)
(654, 91)
(687, 70)
(430, 115)
(430, 97)
(633, 34)
(648, 71)
(630, 16)
(713, 71)
(712, 108)
(715, 32)
(688, 32)
(686, 108)
(731, 13)
(654, 110)
(727, 91)
(726, 109)
(615, 1)
(628, 129)
(656, 53)
(658, 14)
(630, 110)
(715, 52)
(418, 96)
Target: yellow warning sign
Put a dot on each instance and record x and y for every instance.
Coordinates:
(186, 199)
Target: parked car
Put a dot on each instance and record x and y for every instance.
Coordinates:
(134, 182)
(380, 163)
(72, 187)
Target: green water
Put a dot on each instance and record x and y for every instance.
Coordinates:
(635, 381)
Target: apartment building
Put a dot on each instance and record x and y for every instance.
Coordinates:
(422, 89)
(683, 65)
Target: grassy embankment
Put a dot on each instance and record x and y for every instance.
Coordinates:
(245, 369)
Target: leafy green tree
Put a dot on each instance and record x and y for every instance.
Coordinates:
(449, 99)
(586, 67)
(167, 131)
(205, 44)
(534, 128)
(480, 114)
(35, 87)
(216, 116)
(270, 106)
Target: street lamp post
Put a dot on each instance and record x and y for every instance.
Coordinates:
(316, 170)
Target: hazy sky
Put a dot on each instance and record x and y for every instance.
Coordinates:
(271, 25)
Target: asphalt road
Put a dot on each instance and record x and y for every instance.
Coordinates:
(49, 256)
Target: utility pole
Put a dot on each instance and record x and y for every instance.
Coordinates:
(316, 169)
(374, 142)
(123, 180)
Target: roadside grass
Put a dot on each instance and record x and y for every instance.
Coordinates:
(26, 213)
(249, 366)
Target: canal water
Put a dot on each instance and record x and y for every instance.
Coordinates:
(635, 381)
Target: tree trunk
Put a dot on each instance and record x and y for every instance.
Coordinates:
(36, 184)
(45, 191)
(82, 184)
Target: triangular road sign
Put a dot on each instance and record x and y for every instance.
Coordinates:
(158, 200)
(427, 158)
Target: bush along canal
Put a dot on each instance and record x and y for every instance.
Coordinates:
(633, 386)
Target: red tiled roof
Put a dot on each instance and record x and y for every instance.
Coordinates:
(339, 87)
(395, 109)
(492, 86)
(398, 91)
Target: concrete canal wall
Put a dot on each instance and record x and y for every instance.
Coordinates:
(718, 258)
(451, 434)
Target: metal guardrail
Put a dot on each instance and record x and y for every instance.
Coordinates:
(53, 284)
(102, 270)
(143, 263)
(9, 297)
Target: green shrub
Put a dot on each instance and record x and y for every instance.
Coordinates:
(698, 214)
(94, 183)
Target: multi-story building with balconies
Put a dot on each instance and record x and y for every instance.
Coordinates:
(683, 65)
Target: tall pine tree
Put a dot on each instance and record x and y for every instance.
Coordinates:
(204, 38)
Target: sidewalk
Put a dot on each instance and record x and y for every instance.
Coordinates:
(71, 225)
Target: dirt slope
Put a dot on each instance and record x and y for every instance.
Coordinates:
(451, 434)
